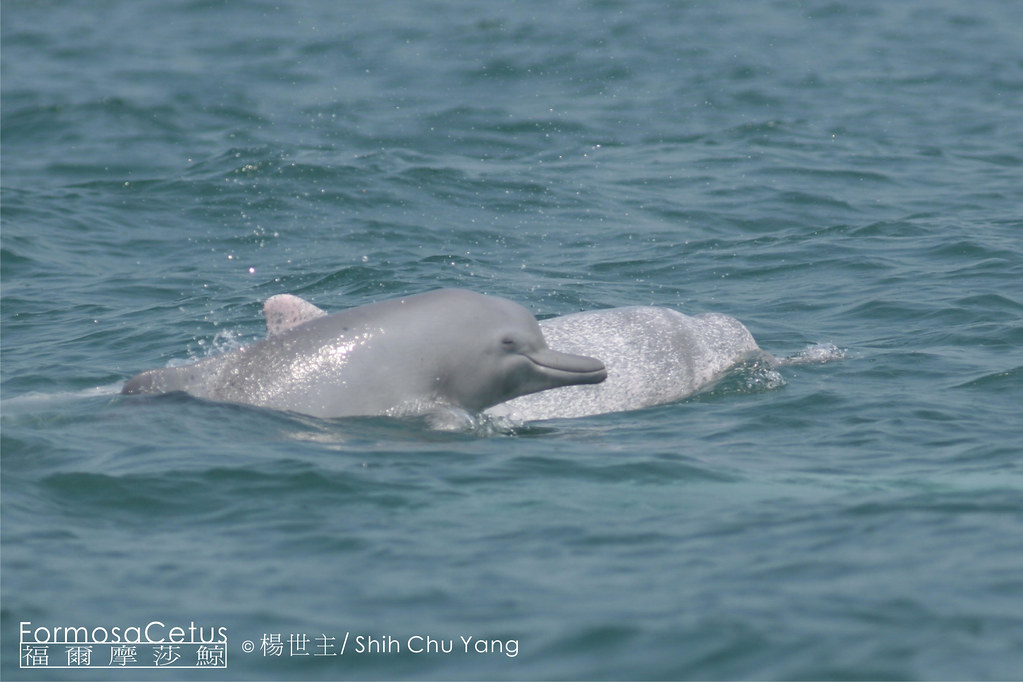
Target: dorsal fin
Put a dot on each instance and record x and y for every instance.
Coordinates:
(284, 311)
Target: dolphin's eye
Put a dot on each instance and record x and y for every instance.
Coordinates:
(509, 343)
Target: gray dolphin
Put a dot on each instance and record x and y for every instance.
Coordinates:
(396, 357)
(653, 355)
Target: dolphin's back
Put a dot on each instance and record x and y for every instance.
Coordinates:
(653, 356)
(188, 378)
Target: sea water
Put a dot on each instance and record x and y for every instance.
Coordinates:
(843, 176)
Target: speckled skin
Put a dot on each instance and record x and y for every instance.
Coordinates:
(653, 356)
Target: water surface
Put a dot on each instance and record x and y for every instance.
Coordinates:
(827, 173)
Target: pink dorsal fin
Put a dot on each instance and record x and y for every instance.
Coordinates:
(284, 311)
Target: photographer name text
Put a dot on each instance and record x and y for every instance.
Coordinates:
(300, 644)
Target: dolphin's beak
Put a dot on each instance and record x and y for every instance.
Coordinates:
(566, 369)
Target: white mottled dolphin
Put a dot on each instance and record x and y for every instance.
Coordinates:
(653, 356)
(397, 357)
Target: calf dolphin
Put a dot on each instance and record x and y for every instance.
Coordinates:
(653, 356)
(396, 357)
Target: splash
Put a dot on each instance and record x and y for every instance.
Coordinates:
(449, 418)
(757, 374)
(222, 342)
(816, 354)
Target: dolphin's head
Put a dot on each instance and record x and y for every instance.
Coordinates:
(510, 358)
(531, 366)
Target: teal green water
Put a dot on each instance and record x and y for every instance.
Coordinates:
(828, 173)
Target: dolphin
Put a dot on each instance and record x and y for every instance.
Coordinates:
(654, 355)
(403, 356)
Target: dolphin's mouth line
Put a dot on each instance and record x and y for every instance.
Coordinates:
(580, 368)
